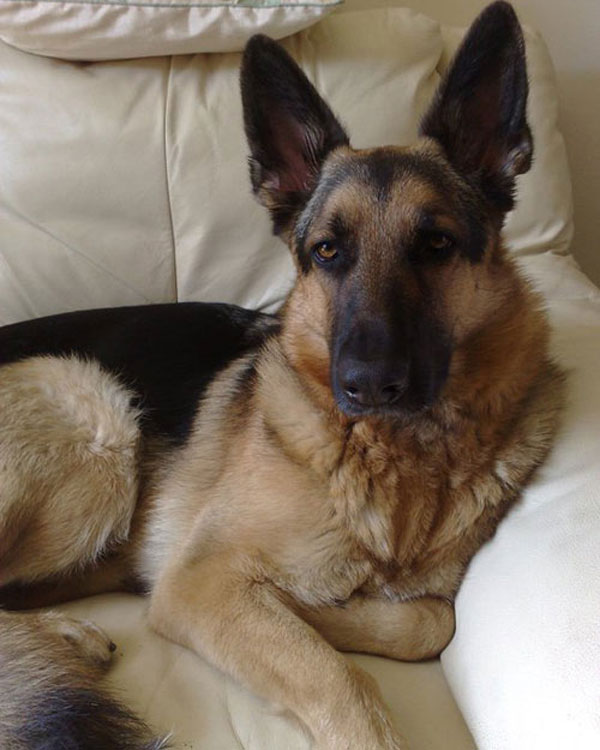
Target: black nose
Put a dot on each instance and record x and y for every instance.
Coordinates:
(373, 384)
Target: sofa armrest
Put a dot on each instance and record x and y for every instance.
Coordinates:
(524, 665)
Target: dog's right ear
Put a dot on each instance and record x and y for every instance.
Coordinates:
(290, 130)
(479, 112)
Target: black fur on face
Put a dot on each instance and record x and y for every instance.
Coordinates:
(388, 363)
(385, 216)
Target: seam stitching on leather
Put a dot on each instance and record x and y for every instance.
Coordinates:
(191, 5)
(168, 181)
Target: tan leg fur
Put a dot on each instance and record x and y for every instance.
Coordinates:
(239, 621)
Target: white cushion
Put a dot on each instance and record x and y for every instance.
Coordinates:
(84, 215)
(91, 30)
(524, 665)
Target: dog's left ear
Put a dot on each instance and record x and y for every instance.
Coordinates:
(290, 129)
(479, 113)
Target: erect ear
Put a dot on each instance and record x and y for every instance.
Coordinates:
(478, 114)
(290, 129)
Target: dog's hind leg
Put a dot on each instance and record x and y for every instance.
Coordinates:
(109, 574)
(50, 666)
(69, 440)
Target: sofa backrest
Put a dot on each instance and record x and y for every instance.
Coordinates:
(125, 181)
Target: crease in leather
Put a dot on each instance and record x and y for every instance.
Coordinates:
(167, 177)
(78, 253)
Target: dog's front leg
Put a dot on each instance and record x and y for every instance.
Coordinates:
(226, 609)
(409, 631)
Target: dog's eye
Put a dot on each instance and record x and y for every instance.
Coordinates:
(324, 252)
(439, 242)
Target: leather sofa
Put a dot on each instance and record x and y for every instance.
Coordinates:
(123, 180)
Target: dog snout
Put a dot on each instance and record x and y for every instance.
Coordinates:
(372, 384)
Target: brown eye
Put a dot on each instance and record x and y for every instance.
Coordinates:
(438, 242)
(325, 252)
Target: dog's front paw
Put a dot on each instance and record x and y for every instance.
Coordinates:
(89, 642)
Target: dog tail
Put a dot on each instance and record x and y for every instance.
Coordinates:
(50, 695)
(76, 718)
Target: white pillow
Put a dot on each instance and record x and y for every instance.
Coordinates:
(121, 29)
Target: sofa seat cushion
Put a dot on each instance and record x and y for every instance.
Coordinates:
(178, 691)
(124, 29)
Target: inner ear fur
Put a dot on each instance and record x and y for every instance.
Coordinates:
(290, 129)
(479, 112)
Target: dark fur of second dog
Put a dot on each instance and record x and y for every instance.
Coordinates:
(283, 488)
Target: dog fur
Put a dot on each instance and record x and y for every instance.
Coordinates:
(51, 665)
(327, 485)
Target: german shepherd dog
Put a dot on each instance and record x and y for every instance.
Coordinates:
(285, 488)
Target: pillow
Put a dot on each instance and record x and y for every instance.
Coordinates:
(121, 29)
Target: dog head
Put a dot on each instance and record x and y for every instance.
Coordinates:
(398, 249)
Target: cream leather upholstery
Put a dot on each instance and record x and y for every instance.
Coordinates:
(120, 179)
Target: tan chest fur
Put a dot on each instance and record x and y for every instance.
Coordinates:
(330, 506)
